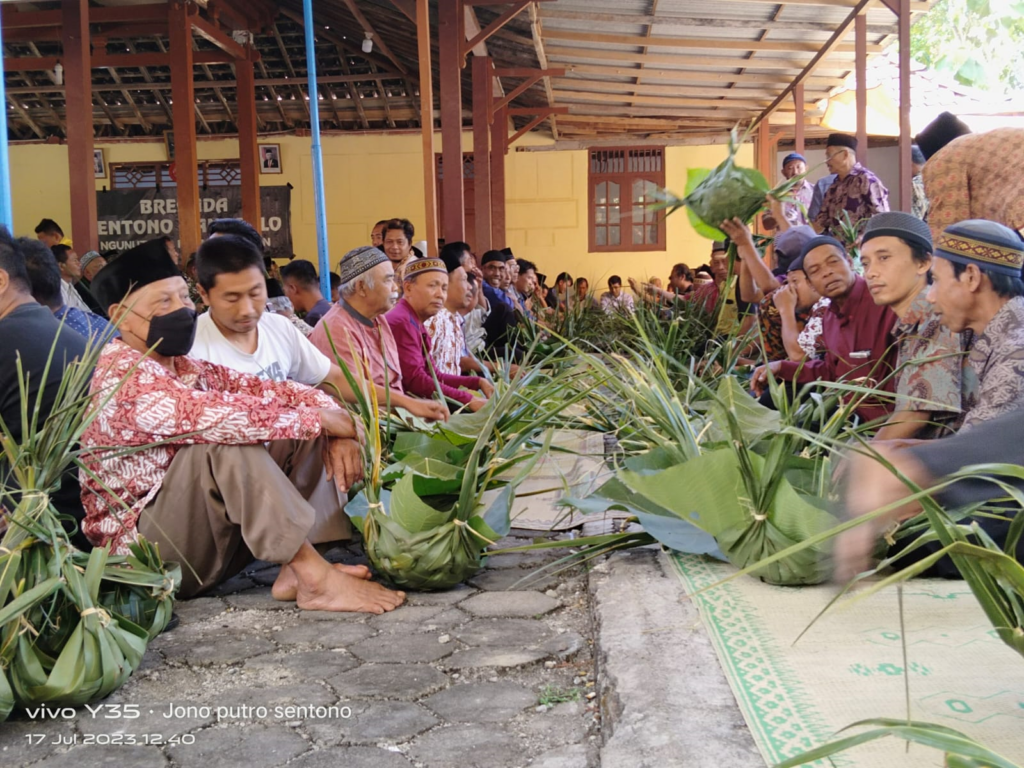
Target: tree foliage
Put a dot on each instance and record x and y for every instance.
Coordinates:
(977, 41)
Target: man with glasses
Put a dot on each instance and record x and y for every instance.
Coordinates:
(856, 190)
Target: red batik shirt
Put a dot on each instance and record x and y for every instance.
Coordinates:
(202, 403)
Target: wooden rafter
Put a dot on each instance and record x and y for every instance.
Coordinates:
(687, 21)
(377, 39)
(288, 65)
(149, 79)
(386, 96)
(821, 83)
(353, 92)
(487, 32)
(663, 41)
(105, 109)
(679, 60)
(536, 30)
(815, 62)
(199, 112)
(26, 117)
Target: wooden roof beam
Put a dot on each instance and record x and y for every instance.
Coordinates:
(108, 60)
(577, 85)
(716, 62)
(15, 19)
(530, 81)
(212, 33)
(702, 21)
(823, 83)
(288, 64)
(26, 117)
(485, 34)
(407, 7)
(353, 92)
(668, 101)
(367, 27)
(537, 33)
(695, 42)
(149, 79)
(213, 83)
(815, 62)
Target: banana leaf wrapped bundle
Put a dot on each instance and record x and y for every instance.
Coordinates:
(431, 529)
(73, 626)
(744, 484)
(716, 195)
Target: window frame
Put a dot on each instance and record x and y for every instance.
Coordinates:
(624, 179)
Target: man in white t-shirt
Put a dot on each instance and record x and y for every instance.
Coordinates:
(238, 333)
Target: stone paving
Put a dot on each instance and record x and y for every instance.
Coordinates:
(490, 674)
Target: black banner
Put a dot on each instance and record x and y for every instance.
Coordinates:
(130, 217)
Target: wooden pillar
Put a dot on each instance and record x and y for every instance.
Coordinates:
(248, 149)
(764, 151)
(499, 146)
(450, 39)
(427, 122)
(798, 98)
(861, 62)
(482, 103)
(77, 64)
(186, 162)
(906, 171)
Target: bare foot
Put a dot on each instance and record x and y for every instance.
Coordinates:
(338, 591)
(287, 584)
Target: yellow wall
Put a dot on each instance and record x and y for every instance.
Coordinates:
(372, 177)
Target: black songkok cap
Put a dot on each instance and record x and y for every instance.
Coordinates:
(129, 273)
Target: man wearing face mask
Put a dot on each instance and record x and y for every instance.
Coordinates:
(244, 465)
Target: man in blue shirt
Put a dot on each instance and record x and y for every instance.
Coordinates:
(44, 275)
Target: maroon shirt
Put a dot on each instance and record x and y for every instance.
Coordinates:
(413, 346)
(858, 344)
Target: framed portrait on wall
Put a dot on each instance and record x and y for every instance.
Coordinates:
(270, 158)
(99, 164)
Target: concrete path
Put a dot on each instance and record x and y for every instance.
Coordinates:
(609, 668)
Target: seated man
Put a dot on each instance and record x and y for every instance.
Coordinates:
(856, 333)
(302, 286)
(244, 465)
(28, 333)
(447, 342)
(426, 285)
(896, 252)
(615, 299)
(500, 323)
(784, 297)
(360, 334)
(91, 263)
(977, 286)
(44, 275)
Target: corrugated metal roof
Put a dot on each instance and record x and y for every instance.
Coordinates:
(715, 61)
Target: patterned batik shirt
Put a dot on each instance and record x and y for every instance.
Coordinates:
(929, 367)
(140, 402)
(861, 194)
(796, 213)
(810, 337)
(919, 204)
(446, 341)
(994, 375)
(770, 321)
(977, 177)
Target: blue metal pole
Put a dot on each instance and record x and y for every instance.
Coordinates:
(319, 202)
(6, 213)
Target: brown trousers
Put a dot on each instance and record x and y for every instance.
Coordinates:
(221, 506)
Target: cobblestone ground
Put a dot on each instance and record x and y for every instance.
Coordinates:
(490, 674)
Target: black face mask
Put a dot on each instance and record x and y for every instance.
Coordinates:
(173, 333)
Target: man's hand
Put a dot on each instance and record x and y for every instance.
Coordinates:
(739, 233)
(476, 404)
(784, 299)
(343, 462)
(869, 487)
(431, 410)
(759, 380)
(335, 422)
(486, 388)
(634, 286)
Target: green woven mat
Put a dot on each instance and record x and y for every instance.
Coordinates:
(850, 666)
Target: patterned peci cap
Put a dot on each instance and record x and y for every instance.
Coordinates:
(356, 262)
(993, 247)
(417, 267)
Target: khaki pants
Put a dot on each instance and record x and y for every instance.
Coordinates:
(221, 506)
